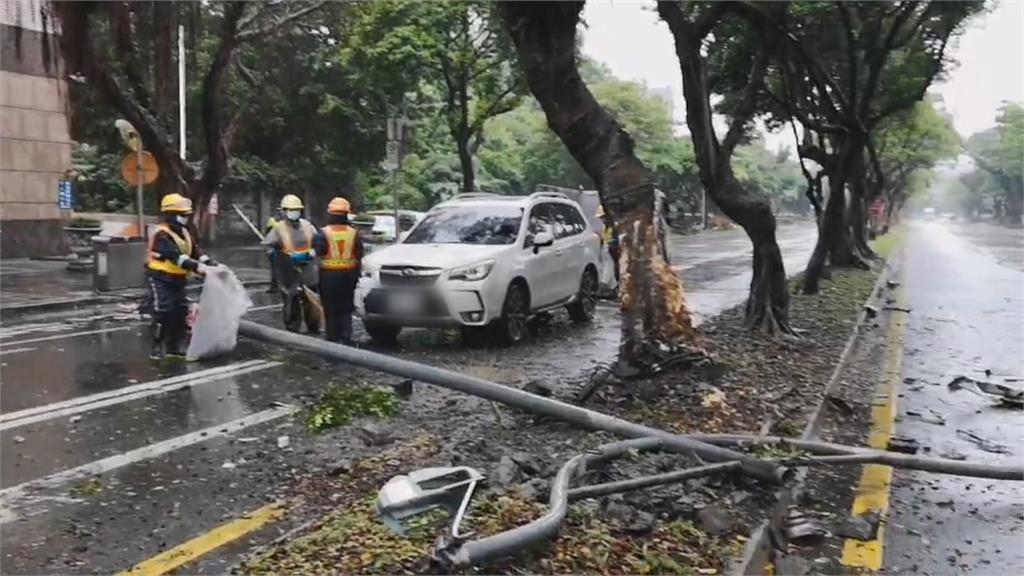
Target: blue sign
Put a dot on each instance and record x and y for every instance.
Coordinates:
(65, 199)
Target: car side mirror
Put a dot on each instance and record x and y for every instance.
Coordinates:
(542, 240)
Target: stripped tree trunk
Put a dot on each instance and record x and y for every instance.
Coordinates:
(652, 297)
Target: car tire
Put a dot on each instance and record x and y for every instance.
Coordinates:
(581, 311)
(511, 328)
(382, 332)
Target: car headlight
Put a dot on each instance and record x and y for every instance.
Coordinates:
(472, 273)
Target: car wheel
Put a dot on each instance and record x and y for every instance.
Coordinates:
(511, 327)
(582, 310)
(382, 333)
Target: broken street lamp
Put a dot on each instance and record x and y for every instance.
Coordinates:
(422, 491)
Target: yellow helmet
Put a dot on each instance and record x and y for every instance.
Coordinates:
(339, 205)
(176, 203)
(600, 211)
(291, 202)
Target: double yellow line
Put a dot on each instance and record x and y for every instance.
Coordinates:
(201, 545)
(876, 481)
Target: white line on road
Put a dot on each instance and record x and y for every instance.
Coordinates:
(14, 351)
(9, 496)
(267, 307)
(100, 399)
(62, 336)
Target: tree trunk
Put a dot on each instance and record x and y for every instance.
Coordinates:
(466, 161)
(834, 244)
(858, 215)
(767, 306)
(652, 295)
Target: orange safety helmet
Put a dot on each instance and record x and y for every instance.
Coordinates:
(338, 206)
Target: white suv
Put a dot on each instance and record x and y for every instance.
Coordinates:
(483, 261)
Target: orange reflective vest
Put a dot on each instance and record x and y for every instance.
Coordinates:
(341, 245)
(285, 232)
(184, 245)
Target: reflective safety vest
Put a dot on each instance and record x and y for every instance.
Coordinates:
(288, 242)
(341, 245)
(184, 245)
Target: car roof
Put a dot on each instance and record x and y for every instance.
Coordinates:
(487, 199)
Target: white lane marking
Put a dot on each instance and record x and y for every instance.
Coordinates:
(127, 390)
(14, 351)
(104, 399)
(14, 494)
(267, 307)
(72, 335)
(29, 328)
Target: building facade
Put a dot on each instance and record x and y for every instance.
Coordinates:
(35, 143)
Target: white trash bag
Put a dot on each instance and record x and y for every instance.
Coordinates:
(221, 306)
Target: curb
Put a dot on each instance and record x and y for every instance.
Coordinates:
(758, 551)
(61, 304)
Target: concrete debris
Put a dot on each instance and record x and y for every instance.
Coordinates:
(792, 566)
(931, 418)
(538, 387)
(506, 472)
(803, 529)
(376, 434)
(859, 527)
(715, 521)
(283, 442)
(403, 389)
(19, 439)
(903, 445)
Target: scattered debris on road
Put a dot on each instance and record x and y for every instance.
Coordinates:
(1006, 395)
(983, 443)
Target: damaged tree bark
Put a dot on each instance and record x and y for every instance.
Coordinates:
(652, 297)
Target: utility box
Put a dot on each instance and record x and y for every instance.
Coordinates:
(118, 263)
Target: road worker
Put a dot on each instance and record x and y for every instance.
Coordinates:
(341, 251)
(291, 242)
(173, 254)
(272, 223)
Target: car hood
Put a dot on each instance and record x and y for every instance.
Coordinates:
(433, 255)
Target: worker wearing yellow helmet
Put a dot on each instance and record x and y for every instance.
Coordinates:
(290, 246)
(173, 255)
(341, 252)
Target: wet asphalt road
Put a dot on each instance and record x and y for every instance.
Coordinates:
(965, 287)
(107, 458)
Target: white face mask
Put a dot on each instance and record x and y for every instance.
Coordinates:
(293, 214)
(183, 220)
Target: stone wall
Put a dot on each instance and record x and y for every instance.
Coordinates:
(35, 145)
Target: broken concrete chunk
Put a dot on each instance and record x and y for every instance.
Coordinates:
(715, 521)
(859, 527)
(792, 566)
(802, 529)
(983, 443)
(506, 473)
(903, 445)
(375, 434)
(283, 442)
(1008, 396)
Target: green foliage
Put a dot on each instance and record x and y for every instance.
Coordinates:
(999, 151)
(339, 405)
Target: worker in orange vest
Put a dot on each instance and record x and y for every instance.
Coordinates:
(173, 254)
(341, 256)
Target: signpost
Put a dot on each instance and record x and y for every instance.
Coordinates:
(65, 199)
(393, 161)
(138, 167)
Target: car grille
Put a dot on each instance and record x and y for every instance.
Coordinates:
(409, 276)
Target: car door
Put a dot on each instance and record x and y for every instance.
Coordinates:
(541, 264)
(569, 248)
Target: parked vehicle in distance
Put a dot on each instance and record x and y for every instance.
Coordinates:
(377, 227)
(483, 262)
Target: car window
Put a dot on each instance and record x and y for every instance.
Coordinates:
(542, 219)
(567, 220)
(468, 225)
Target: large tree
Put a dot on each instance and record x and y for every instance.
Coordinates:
(999, 151)
(653, 303)
(691, 25)
(107, 45)
(841, 68)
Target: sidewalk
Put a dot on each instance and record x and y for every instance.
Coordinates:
(29, 285)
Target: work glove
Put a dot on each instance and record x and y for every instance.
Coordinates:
(301, 257)
(201, 269)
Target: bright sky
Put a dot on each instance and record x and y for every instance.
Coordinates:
(628, 37)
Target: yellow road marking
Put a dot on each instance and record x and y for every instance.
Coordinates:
(204, 543)
(876, 481)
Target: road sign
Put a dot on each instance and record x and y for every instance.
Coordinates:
(65, 199)
(392, 151)
(130, 168)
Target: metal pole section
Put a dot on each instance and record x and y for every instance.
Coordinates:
(576, 415)
(181, 91)
(594, 490)
(138, 192)
(394, 198)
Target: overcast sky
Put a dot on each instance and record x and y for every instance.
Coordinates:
(628, 37)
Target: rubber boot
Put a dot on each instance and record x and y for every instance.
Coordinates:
(156, 331)
(175, 335)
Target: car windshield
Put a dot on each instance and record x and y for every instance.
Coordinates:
(469, 225)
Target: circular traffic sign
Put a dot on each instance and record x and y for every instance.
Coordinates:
(130, 168)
